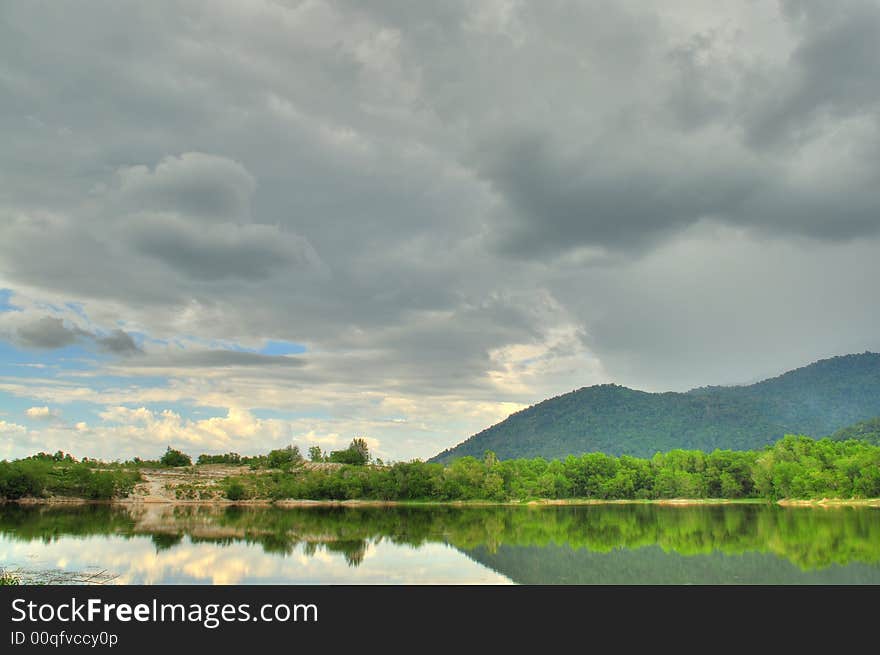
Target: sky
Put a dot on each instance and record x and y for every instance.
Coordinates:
(233, 225)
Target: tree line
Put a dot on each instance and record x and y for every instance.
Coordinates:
(794, 467)
(357, 454)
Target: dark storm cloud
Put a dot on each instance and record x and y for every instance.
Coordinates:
(226, 250)
(193, 184)
(788, 146)
(607, 195)
(76, 262)
(118, 342)
(830, 74)
(48, 333)
(193, 214)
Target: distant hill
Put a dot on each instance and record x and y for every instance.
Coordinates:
(864, 430)
(815, 400)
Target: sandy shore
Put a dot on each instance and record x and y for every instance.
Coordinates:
(832, 502)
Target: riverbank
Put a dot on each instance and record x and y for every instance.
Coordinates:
(538, 502)
(212, 485)
(807, 471)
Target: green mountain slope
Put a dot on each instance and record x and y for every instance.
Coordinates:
(864, 431)
(814, 400)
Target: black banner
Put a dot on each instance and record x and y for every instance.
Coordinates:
(236, 618)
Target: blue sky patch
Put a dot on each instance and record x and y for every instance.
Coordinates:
(19, 362)
(282, 348)
(269, 348)
(286, 415)
(5, 304)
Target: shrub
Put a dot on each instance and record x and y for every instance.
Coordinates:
(19, 479)
(101, 486)
(235, 490)
(347, 456)
(8, 579)
(228, 458)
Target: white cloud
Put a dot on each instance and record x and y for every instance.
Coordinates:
(15, 440)
(8, 429)
(42, 413)
(239, 428)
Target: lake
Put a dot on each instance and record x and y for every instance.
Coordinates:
(596, 544)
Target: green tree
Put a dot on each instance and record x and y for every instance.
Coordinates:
(174, 457)
(729, 486)
(357, 453)
(284, 457)
(359, 444)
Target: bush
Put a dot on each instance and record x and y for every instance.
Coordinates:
(18, 479)
(8, 579)
(235, 491)
(175, 458)
(347, 456)
(101, 486)
(228, 458)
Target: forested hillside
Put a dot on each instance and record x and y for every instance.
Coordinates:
(816, 400)
(864, 431)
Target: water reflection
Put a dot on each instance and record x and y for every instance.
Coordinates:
(539, 545)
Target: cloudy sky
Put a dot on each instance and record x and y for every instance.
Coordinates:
(237, 224)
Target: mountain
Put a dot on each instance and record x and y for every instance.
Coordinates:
(864, 431)
(814, 400)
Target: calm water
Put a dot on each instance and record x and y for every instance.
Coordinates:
(613, 544)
